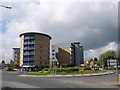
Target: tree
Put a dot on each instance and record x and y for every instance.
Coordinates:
(95, 59)
(3, 62)
(107, 55)
(119, 56)
(91, 59)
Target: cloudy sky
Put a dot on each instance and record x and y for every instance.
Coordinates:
(94, 24)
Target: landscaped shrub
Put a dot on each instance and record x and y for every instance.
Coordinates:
(112, 68)
(81, 70)
(71, 69)
(84, 68)
(60, 70)
(45, 71)
(66, 70)
(75, 69)
(40, 71)
(51, 69)
(87, 68)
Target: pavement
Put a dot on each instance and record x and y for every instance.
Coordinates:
(73, 75)
(11, 80)
(17, 84)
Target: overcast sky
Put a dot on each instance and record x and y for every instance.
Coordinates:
(93, 24)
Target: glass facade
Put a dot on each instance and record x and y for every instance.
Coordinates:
(28, 58)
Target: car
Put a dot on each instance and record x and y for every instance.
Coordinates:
(96, 68)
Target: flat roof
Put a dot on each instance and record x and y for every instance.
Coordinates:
(15, 48)
(35, 33)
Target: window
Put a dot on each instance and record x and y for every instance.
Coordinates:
(29, 36)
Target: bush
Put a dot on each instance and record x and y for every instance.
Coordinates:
(112, 68)
(51, 69)
(84, 68)
(72, 69)
(45, 71)
(40, 71)
(61, 70)
(66, 70)
(81, 70)
(48, 69)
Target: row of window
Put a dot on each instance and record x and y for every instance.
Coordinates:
(29, 42)
(28, 58)
(32, 63)
(25, 51)
(29, 36)
(29, 47)
(28, 62)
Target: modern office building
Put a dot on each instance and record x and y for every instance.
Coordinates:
(16, 56)
(67, 54)
(34, 50)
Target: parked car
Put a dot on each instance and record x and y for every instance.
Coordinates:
(96, 68)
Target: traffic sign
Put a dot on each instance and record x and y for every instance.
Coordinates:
(112, 62)
(55, 67)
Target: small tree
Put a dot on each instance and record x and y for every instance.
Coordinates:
(3, 63)
(91, 59)
(95, 59)
(107, 55)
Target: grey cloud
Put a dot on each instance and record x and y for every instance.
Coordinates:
(93, 28)
(93, 24)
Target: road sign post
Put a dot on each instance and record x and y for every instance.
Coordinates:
(108, 63)
(113, 63)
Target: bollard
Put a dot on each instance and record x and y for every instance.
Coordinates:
(119, 79)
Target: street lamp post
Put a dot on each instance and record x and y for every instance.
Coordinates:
(8, 7)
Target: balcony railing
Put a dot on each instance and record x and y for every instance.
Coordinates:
(28, 59)
(29, 48)
(26, 43)
(29, 38)
(29, 54)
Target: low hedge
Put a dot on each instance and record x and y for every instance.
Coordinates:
(66, 70)
(112, 68)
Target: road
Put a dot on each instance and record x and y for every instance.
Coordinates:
(11, 80)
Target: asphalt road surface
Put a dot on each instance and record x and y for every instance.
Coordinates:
(11, 80)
